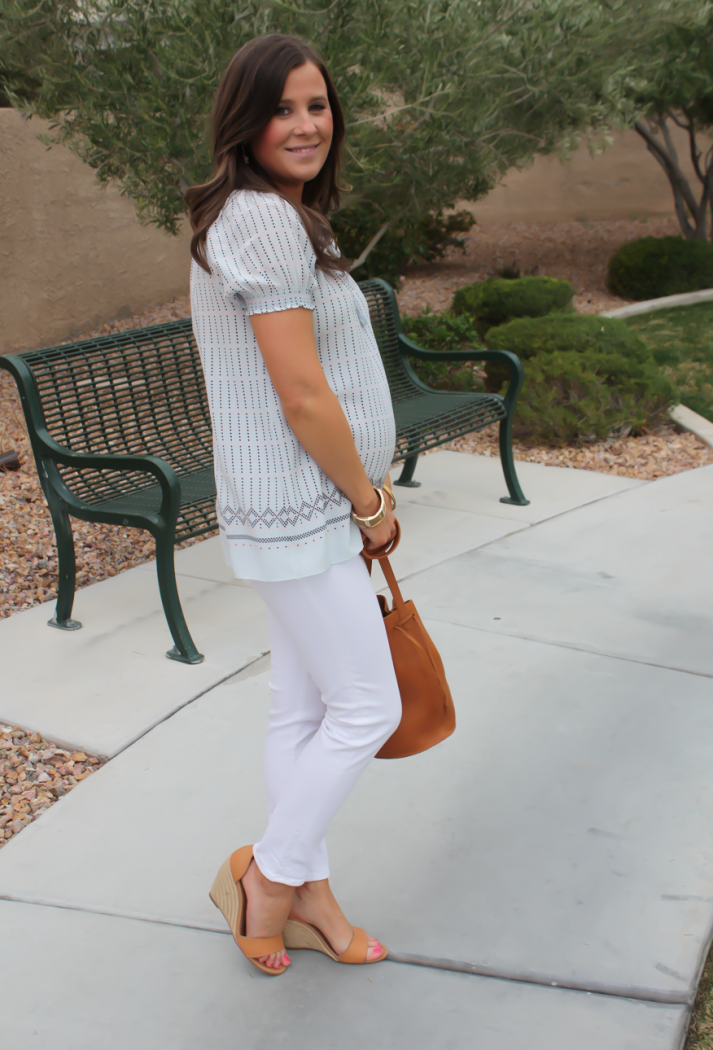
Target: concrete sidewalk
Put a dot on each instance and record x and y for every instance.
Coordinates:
(560, 838)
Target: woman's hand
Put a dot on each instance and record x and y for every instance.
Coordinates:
(381, 534)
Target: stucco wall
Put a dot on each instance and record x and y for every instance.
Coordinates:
(623, 182)
(72, 254)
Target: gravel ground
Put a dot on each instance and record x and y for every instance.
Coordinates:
(667, 451)
(34, 773)
(577, 252)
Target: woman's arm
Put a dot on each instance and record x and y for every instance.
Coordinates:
(286, 341)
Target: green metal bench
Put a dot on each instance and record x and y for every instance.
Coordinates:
(121, 433)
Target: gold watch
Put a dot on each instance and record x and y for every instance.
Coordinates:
(374, 519)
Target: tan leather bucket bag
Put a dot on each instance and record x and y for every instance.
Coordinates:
(428, 715)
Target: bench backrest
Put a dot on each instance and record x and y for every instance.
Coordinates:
(142, 390)
(131, 392)
(387, 328)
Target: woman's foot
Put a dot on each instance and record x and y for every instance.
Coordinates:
(315, 903)
(268, 908)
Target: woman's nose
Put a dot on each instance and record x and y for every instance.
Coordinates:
(306, 125)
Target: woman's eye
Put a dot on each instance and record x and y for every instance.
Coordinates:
(284, 111)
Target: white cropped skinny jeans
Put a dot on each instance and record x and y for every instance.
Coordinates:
(335, 700)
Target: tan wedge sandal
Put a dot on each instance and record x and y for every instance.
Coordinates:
(298, 934)
(228, 894)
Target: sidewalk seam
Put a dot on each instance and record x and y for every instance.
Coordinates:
(579, 648)
(650, 995)
(181, 707)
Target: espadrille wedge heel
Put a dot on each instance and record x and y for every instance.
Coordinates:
(298, 934)
(228, 895)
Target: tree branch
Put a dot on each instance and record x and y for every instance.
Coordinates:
(694, 150)
(397, 109)
(370, 246)
(668, 159)
(657, 151)
(697, 208)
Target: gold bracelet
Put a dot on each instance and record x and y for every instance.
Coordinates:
(391, 496)
(373, 520)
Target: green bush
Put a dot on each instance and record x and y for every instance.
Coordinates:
(586, 378)
(445, 331)
(588, 396)
(529, 336)
(497, 301)
(410, 242)
(653, 267)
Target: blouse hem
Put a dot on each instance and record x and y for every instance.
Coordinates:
(293, 563)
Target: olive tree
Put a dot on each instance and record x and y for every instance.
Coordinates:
(441, 96)
(677, 91)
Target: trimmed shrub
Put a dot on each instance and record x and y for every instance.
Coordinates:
(588, 396)
(445, 331)
(529, 336)
(586, 378)
(495, 302)
(565, 333)
(653, 267)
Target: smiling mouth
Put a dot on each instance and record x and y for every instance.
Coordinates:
(302, 149)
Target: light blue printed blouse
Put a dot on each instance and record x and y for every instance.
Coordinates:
(280, 516)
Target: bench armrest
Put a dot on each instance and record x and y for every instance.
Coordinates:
(476, 353)
(145, 464)
(46, 448)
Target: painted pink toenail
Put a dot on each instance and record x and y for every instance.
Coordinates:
(287, 958)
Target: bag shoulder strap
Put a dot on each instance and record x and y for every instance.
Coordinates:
(380, 554)
(396, 594)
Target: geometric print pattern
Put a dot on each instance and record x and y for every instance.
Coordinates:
(285, 515)
(322, 527)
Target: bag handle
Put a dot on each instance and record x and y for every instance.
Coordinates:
(380, 554)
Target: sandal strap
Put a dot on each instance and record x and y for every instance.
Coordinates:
(357, 951)
(254, 947)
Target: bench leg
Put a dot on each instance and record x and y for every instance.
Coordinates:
(508, 463)
(406, 476)
(66, 570)
(184, 650)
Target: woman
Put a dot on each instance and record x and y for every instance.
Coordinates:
(304, 435)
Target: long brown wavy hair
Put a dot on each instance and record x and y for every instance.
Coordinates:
(248, 98)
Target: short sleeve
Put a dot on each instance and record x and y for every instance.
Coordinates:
(262, 253)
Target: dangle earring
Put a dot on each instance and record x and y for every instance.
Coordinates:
(245, 156)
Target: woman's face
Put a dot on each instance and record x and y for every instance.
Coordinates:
(293, 147)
